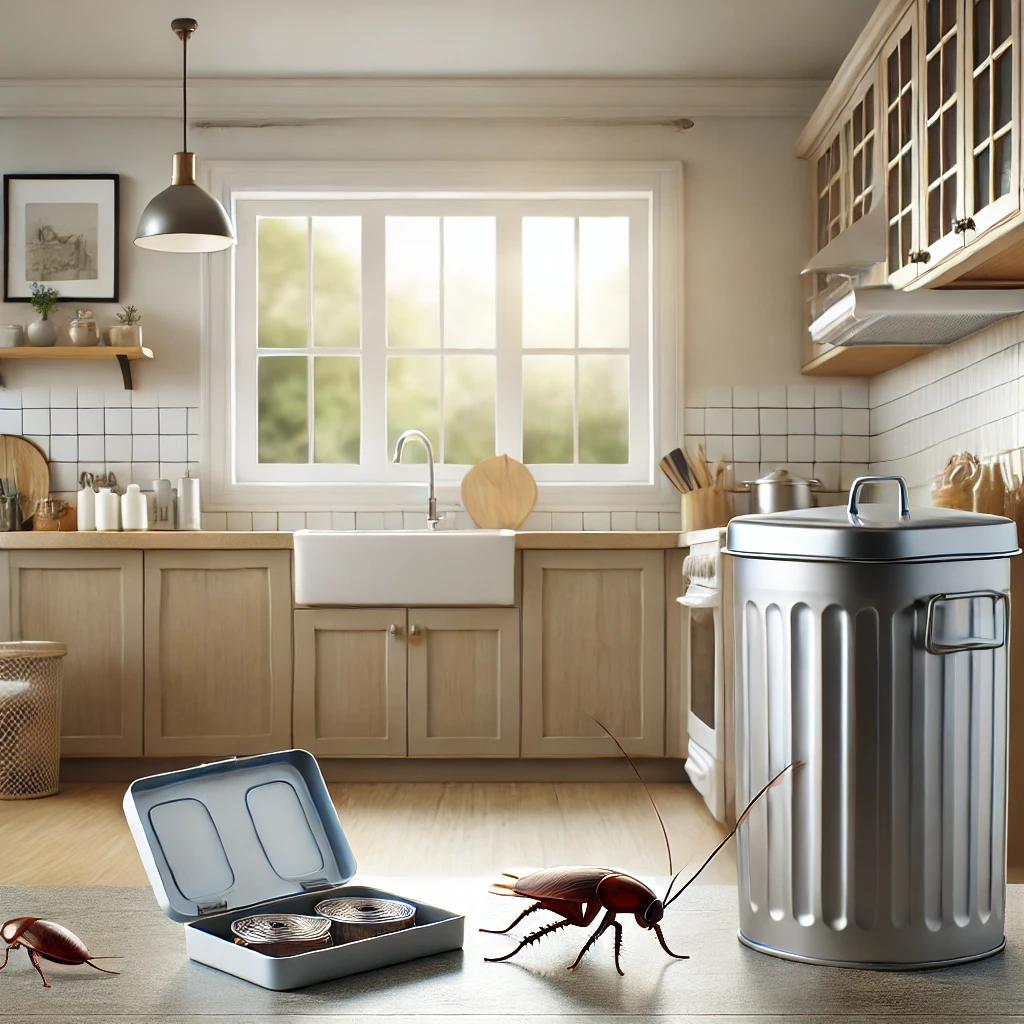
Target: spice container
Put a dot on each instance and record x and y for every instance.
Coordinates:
(84, 330)
(260, 835)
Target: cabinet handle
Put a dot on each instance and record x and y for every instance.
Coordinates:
(919, 256)
(963, 225)
(415, 633)
(393, 629)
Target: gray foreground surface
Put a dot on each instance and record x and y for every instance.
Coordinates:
(722, 981)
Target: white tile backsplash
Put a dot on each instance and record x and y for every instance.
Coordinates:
(64, 421)
(10, 421)
(145, 421)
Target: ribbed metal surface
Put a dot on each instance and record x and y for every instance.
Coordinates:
(888, 847)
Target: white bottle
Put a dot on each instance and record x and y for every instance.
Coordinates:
(134, 515)
(108, 510)
(87, 508)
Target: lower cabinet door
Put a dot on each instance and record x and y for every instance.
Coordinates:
(464, 682)
(350, 678)
(218, 652)
(92, 602)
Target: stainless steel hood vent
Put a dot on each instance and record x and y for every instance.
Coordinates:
(883, 315)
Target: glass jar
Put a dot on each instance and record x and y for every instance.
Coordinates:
(84, 329)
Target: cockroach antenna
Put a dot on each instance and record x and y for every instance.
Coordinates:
(661, 821)
(739, 821)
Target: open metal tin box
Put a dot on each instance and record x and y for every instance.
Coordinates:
(260, 835)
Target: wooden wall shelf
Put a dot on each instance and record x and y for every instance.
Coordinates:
(863, 360)
(125, 356)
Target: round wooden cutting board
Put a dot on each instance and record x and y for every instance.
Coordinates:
(499, 493)
(22, 462)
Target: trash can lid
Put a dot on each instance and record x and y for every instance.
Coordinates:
(872, 533)
(32, 649)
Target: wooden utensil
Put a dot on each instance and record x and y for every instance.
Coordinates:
(21, 460)
(499, 493)
(678, 459)
(669, 469)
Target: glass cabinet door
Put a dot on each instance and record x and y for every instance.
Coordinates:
(899, 108)
(991, 111)
(942, 204)
(829, 220)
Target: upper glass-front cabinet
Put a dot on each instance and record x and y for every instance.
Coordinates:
(992, 113)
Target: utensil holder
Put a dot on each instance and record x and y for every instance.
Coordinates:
(705, 509)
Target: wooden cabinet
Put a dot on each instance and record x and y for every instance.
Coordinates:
(463, 669)
(593, 645)
(676, 656)
(218, 652)
(350, 682)
(92, 602)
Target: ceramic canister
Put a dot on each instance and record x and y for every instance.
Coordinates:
(108, 510)
(134, 515)
(12, 336)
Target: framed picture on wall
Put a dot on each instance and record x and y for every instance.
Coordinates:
(62, 231)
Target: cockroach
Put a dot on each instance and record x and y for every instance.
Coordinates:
(47, 941)
(577, 894)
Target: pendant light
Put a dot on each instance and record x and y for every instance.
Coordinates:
(184, 217)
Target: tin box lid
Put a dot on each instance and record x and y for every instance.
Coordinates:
(884, 532)
(234, 833)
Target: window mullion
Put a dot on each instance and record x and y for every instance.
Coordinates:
(440, 334)
(508, 426)
(576, 342)
(310, 397)
(373, 391)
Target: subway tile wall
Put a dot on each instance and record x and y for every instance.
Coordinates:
(967, 396)
(143, 435)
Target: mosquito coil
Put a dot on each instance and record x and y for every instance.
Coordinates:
(282, 934)
(363, 917)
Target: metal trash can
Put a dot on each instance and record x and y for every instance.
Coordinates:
(872, 643)
(30, 683)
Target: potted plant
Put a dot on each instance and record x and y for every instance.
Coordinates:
(127, 332)
(43, 332)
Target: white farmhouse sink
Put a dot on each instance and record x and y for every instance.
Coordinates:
(405, 567)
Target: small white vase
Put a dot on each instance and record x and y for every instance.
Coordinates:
(42, 333)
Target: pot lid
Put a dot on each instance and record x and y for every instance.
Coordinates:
(889, 532)
(230, 834)
(781, 478)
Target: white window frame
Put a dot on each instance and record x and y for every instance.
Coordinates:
(236, 183)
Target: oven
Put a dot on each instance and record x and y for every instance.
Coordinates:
(707, 671)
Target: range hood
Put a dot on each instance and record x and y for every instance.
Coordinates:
(881, 315)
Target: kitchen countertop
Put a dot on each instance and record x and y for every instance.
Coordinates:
(722, 980)
(201, 540)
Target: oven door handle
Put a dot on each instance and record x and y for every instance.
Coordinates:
(701, 600)
(932, 646)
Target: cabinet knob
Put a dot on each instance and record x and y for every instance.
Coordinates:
(919, 256)
(393, 629)
(415, 633)
(964, 224)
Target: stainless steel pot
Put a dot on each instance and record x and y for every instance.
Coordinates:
(780, 491)
(872, 645)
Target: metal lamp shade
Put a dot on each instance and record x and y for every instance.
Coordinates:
(185, 218)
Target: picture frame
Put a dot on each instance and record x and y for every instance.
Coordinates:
(63, 231)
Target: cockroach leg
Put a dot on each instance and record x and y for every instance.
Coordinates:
(529, 940)
(504, 931)
(608, 919)
(7, 953)
(34, 957)
(664, 944)
(618, 947)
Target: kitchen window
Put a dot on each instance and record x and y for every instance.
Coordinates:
(518, 322)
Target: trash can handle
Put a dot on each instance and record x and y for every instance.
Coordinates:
(970, 643)
(860, 483)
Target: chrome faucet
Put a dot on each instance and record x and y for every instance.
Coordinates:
(432, 517)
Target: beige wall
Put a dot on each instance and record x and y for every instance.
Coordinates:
(744, 225)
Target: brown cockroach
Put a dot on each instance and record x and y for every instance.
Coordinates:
(47, 941)
(577, 894)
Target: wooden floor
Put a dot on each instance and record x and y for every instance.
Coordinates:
(80, 837)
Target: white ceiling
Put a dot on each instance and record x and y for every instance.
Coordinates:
(784, 39)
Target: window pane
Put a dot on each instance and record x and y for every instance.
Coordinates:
(282, 409)
(336, 410)
(337, 285)
(413, 272)
(470, 311)
(413, 401)
(281, 256)
(468, 409)
(604, 282)
(547, 409)
(549, 282)
(604, 409)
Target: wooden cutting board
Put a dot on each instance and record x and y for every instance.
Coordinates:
(499, 493)
(22, 461)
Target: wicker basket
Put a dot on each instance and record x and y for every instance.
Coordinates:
(30, 681)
